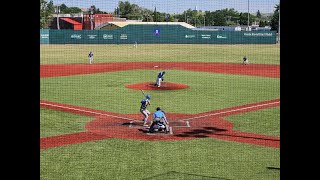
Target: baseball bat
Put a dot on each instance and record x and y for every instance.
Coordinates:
(143, 93)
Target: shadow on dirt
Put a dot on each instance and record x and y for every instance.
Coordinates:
(201, 133)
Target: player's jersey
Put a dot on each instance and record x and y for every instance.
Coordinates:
(90, 55)
(244, 59)
(161, 74)
(144, 104)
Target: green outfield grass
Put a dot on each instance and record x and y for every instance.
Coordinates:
(207, 91)
(71, 54)
(131, 159)
(265, 121)
(54, 123)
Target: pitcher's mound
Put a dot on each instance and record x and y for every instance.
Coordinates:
(151, 86)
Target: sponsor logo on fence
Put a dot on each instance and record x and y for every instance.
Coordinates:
(156, 32)
(257, 34)
(44, 36)
(108, 36)
(221, 37)
(123, 36)
(190, 36)
(206, 36)
(76, 36)
(92, 36)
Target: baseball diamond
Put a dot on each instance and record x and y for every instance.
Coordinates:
(220, 112)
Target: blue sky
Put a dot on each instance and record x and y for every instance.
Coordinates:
(178, 6)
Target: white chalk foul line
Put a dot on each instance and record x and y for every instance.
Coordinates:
(240, 109)
(81, 110)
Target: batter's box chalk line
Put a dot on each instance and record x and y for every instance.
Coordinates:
(176, 124)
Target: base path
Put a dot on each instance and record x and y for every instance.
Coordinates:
(224, 68)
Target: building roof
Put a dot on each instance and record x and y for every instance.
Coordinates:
(71, 21)
(122, 24)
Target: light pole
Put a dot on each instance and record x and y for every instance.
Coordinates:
(279, 25)
(248, 16)
(57, 10)
(91, 17)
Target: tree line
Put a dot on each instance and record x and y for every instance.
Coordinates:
(223, 17)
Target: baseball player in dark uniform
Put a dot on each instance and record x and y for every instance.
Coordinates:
(160, 78)
(143, 109)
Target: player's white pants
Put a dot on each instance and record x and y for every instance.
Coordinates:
(246, 62)
(146, 115)
(158, 82)
(90, 60)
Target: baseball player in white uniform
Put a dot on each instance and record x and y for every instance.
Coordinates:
(90, 57)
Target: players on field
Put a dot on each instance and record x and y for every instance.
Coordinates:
(159, 117)
(143, 109)
(160, 78)
(90, 57)
(245, 60)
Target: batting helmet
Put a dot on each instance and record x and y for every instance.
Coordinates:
(148, 96)
(158, 109)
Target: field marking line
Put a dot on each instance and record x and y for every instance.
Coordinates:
(88, 111)
(186, 126)
(250, 107)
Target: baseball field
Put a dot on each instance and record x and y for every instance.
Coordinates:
(225, 116)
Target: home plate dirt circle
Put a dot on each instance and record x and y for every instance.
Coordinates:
(151, 86)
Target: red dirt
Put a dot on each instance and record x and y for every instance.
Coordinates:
(151, 86)
(202, 125)
(224, 68)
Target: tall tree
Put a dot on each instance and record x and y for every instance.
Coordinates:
(155, 14)
(262, 23)
(275, 19)
(243, 19)
(46, 11)
(258, 14)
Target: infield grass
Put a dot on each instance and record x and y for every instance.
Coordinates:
(54, 123)
(207, 91)
(265, 121)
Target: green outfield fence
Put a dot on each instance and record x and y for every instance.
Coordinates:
(155, 34)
